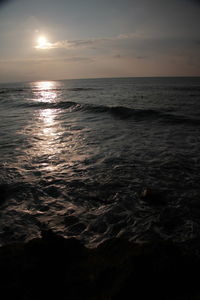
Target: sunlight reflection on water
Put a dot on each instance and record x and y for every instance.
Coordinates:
(45, 91)
(48, 130)
(56, 145)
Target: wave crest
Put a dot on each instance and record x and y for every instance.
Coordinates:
(120, 112)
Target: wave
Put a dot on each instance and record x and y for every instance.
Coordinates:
(76, 89)
(120, 112)
(186, 88)
(19, 90)
(79, 89)
(146, 114)
(8, 90)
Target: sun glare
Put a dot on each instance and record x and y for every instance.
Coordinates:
(42, 43)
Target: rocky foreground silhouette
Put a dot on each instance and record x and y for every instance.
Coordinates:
(52, 267)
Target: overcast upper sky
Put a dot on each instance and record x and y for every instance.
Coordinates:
(58, 39)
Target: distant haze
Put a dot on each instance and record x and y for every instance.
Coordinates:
(48, 39)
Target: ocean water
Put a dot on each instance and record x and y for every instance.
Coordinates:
(76, 154)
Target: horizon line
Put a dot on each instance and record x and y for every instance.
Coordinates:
(96, 78)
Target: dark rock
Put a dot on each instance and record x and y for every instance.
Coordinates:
(56, 268)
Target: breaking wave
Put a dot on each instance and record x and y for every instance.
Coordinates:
(120, 112)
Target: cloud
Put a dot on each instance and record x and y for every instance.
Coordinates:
(138, 42)
(86, 43)
(135, 46)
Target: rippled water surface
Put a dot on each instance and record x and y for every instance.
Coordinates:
(75, 155)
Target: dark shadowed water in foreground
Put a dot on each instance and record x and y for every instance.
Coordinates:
(75, 154)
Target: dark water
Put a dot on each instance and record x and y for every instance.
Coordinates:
(75, 154)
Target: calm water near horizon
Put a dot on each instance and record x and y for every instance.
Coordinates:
(75, 154)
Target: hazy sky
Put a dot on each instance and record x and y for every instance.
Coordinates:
(58, 39)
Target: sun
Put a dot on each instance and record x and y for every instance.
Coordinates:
(42, 43)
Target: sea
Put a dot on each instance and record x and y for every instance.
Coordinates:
(76, 156)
